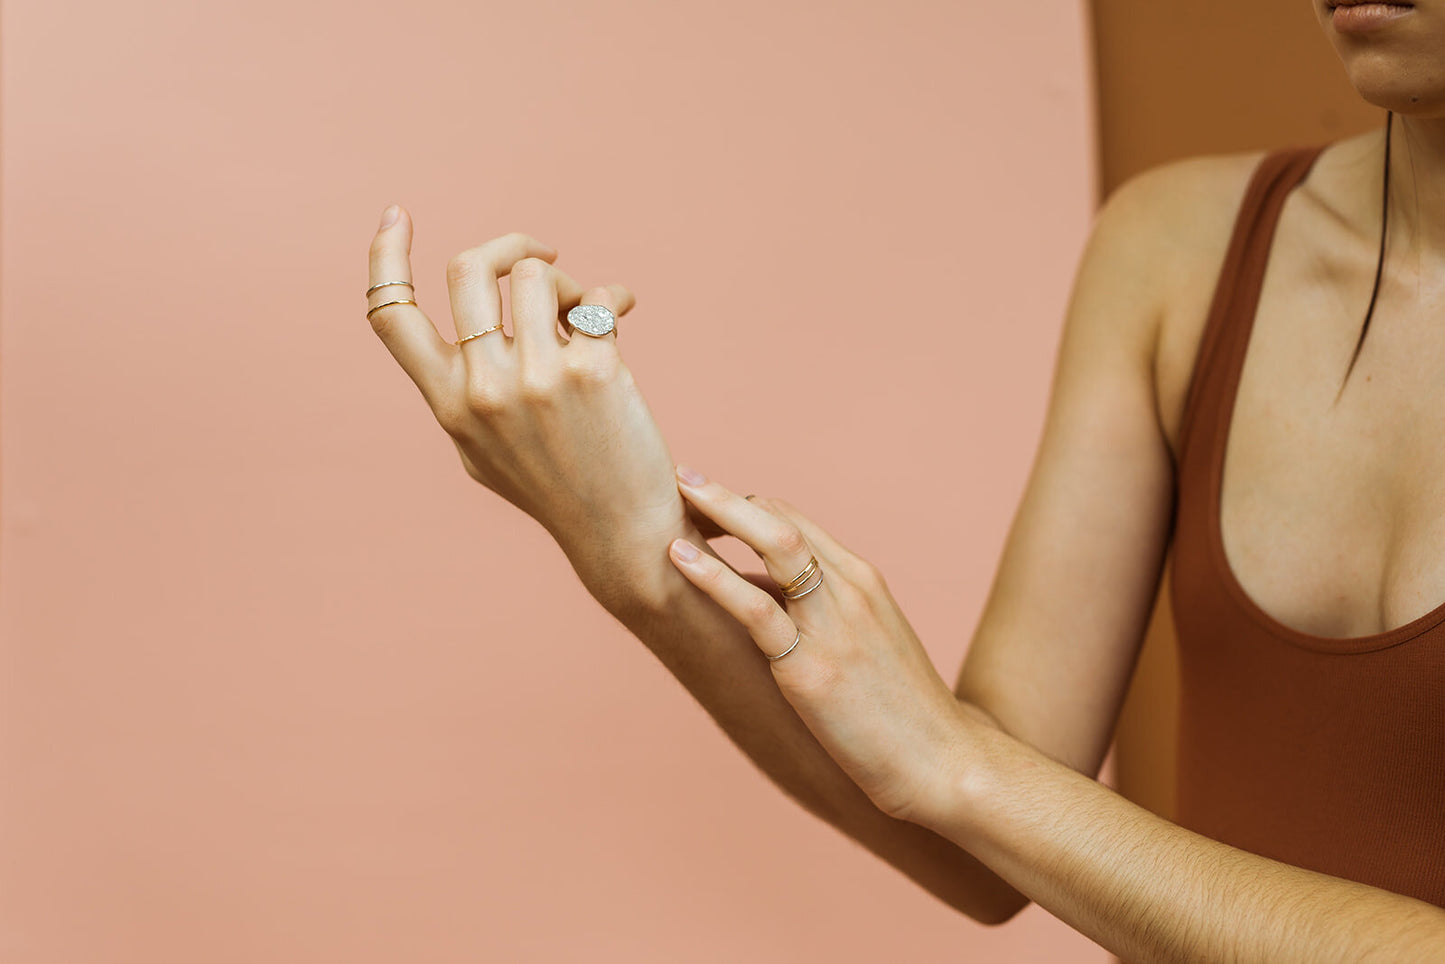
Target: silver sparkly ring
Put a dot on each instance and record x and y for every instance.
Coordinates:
(594, 320)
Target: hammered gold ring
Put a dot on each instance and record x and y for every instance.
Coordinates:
(478, 334)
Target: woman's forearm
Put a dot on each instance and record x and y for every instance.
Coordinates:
(1150, 890)
(714, 658)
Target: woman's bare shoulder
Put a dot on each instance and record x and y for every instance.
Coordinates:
(1184, 211)
(1186, 208)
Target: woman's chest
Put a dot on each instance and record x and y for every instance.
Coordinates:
(1331, 509)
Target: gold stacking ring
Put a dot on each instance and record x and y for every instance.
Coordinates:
(478, 334)
(790, 591)
(384, 284)
(398, 301)
(801, 577)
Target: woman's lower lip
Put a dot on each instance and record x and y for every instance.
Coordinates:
(1364, 17)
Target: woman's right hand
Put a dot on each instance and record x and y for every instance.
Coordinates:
(555, 426)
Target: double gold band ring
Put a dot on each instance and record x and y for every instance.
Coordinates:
(396, 301)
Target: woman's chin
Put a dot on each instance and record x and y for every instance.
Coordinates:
(1389, 86)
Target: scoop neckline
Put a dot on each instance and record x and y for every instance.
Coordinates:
(1238, 349)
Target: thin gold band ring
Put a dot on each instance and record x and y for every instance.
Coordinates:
(398, 301)
(383, 284)
(478, 334)
(790, 594)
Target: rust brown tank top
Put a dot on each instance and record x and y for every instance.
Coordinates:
(1325, 753)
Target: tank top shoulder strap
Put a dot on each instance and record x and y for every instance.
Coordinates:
(1236, 293)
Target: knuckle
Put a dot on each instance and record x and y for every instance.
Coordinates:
(759, 609)
(484, 398)
(820, 678)
(789, 539)
(597, 295)
(530, 269)
(465, 268)
(452, 415)
(536, 387)
(869, 576)
(596, 368)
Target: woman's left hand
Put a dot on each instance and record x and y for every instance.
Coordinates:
(858, 677)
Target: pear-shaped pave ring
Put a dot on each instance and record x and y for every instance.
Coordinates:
(594, 320)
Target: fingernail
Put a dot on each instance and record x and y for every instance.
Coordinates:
(691, 476)
(684, 550)
(388, 217)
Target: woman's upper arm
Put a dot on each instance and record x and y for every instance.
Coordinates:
(1061, 629)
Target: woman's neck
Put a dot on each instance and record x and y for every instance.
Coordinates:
(1417, 188)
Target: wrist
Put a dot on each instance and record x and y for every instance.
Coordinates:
(633, 573)
(969, 779)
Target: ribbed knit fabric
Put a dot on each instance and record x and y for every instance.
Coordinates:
(1320, 752)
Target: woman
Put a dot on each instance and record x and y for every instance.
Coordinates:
(1312, 756)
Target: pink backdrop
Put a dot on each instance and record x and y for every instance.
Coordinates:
(280, 682)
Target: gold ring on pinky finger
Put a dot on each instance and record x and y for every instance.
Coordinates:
(788, 650)
(398, 301)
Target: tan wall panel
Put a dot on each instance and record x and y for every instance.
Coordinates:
(1178, 79)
